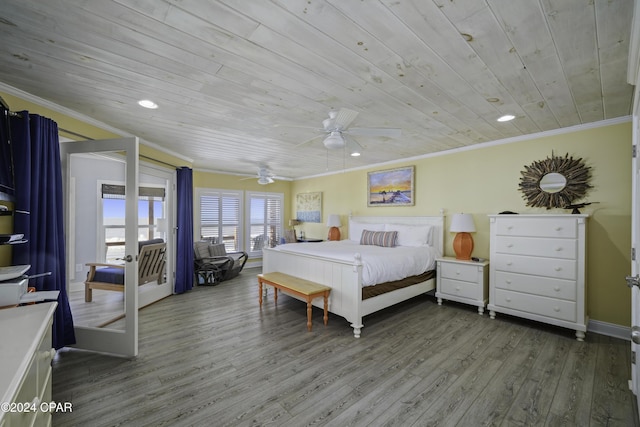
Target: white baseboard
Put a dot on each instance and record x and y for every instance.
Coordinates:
(609, 329)
(253, 263)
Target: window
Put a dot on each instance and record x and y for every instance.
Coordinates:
(220, 213)
(265, 220)
(151, 210)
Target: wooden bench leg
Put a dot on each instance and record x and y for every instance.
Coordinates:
(326, 308)
(309, 314)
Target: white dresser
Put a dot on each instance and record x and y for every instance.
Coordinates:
(25, 371)
(462, 281)
(538, 269)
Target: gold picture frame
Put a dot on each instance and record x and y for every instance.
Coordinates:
(392, 187)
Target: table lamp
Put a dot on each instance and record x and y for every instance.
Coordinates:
(463, 242)
(333, 222)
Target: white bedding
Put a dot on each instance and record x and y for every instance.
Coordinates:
(379, 264)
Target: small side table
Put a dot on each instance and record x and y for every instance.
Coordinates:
(463, 281)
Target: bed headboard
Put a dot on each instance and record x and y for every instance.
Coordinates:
(437, 222)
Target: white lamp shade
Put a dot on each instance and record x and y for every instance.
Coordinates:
(462, 223)
(333, 221)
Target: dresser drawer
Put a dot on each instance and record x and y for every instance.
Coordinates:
(551, 248)
(457, 271)
(538, 285)
(537, 227)
(461, 289)
(548, 267)
(534, 304)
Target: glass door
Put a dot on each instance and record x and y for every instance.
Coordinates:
(102, 232)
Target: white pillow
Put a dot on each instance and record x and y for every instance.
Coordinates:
(411, 235)
(356, 228)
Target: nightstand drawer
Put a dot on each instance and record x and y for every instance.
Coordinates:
(549, 307)
(457, 271)
(538, 285)
(461, 289)
(550, 248)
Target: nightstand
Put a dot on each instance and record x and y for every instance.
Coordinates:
(463, 281)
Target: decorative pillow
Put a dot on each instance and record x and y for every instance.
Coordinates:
(411, 235)
(379, 238)
(202, 249)
(217, 249)
(356, 228)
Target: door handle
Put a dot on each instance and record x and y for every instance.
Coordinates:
(128, 258)
(633, 281)
(635, 334)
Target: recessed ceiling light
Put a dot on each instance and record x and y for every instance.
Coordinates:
(355, 154)
(506, 118)
(147, 104)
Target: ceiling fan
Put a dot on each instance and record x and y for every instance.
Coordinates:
(264, 176)
(339, 132)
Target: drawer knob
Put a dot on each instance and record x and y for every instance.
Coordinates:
(457, 272)
(558, 269)
(508, 282)
(508, 299)
(556, 309)
(558, 249)
(557, 289)
(558, 228)
(509, 263)
(457, 288)
(509, 227)
(510, 245)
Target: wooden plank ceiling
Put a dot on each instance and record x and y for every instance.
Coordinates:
(241, 83)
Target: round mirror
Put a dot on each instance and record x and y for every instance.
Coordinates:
(553, 182)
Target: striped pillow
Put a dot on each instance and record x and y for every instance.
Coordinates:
(379, 238)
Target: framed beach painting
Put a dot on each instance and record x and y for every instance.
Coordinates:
(309, 207)
(392, 187)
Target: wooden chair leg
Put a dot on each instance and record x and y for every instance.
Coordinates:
(88, 293)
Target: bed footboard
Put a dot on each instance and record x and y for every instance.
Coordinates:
(343, 278)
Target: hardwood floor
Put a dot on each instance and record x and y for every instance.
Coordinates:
(211, 357)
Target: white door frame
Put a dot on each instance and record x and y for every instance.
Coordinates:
(165, 289)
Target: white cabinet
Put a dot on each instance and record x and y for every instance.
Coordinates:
(462, 281)
(538, 269)
(25, 371)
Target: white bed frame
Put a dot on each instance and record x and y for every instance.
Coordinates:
(345, 278)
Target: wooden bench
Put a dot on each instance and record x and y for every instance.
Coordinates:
(298, 287)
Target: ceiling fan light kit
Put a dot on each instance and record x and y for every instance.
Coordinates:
(339, 133)
(334, 141)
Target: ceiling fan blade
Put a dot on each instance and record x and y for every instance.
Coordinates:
(344, 118)
(388, 132)
(308, 140)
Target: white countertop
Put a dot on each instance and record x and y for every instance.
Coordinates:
(21, 329)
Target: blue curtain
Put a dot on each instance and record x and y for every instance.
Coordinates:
(184, 235)
(39, 213)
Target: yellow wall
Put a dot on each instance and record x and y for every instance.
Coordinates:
(485, 181)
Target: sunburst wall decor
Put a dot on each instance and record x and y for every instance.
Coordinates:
(559, 195)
